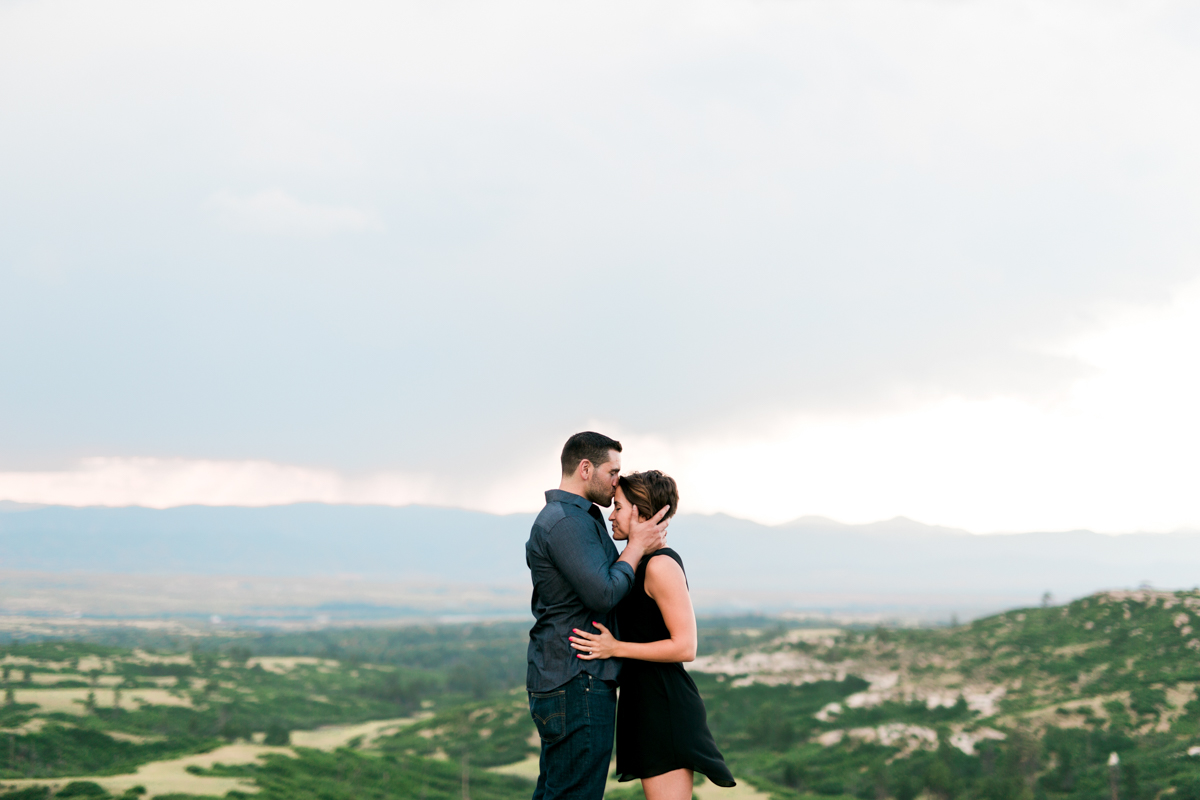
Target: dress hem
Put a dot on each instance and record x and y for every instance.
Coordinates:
(625, 778)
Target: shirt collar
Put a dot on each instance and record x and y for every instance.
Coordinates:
(559, 496)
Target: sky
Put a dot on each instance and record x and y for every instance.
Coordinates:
(849, 258)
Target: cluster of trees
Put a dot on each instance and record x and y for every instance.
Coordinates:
(61, 750)
(80, 790)
(469, 660)
(488, 734)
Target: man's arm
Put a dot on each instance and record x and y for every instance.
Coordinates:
(667, 586)
(582, 559)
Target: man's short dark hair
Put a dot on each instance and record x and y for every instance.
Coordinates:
(589, 445)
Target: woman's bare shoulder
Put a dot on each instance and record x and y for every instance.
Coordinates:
(662, 568)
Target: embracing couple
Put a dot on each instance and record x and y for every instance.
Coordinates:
(605, 619)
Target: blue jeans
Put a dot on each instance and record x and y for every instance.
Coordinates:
(576, 724)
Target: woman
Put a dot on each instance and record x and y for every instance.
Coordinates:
(662, 736)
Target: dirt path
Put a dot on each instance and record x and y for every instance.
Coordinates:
(332, 737)
(172, 777)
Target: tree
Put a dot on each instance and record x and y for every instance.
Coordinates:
(277, 735)
(239, 654)
(939, 780)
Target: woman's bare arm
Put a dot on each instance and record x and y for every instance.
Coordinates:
(667, 586)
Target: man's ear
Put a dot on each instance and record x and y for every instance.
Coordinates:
(585, 470)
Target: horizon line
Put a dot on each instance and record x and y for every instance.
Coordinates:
(13, 506)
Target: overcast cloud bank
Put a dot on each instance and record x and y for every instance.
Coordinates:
(829, 257)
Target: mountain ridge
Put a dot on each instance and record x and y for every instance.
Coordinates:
(723, 554)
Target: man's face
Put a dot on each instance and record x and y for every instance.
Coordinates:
(603, 483)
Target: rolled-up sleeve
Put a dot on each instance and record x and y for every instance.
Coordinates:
(579, 555)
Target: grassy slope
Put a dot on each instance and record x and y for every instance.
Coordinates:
(1066, 686)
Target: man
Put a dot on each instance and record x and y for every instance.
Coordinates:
(578, 579)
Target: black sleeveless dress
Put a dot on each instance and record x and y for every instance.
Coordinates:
(661, 724)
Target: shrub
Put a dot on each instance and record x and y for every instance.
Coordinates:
(82, 789)
(28, 793)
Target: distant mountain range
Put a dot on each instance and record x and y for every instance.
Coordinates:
(809, 564)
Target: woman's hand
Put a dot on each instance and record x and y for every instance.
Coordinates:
(594, 645)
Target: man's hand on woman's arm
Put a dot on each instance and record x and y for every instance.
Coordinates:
(645, 536)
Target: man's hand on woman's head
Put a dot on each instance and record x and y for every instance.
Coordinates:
(650, 534)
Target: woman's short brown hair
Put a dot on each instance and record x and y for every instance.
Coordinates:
(649, 491)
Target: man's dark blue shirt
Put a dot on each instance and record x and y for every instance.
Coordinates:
(576, 580)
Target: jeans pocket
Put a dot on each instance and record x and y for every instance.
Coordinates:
(549, 711)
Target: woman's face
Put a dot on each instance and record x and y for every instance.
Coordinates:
(623, 515)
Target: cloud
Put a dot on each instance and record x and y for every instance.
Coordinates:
(167, 482)
(277, 212)
(1116, 454)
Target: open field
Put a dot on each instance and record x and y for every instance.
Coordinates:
(55, 604)
(38, 604)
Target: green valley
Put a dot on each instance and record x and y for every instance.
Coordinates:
(1092, 699)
